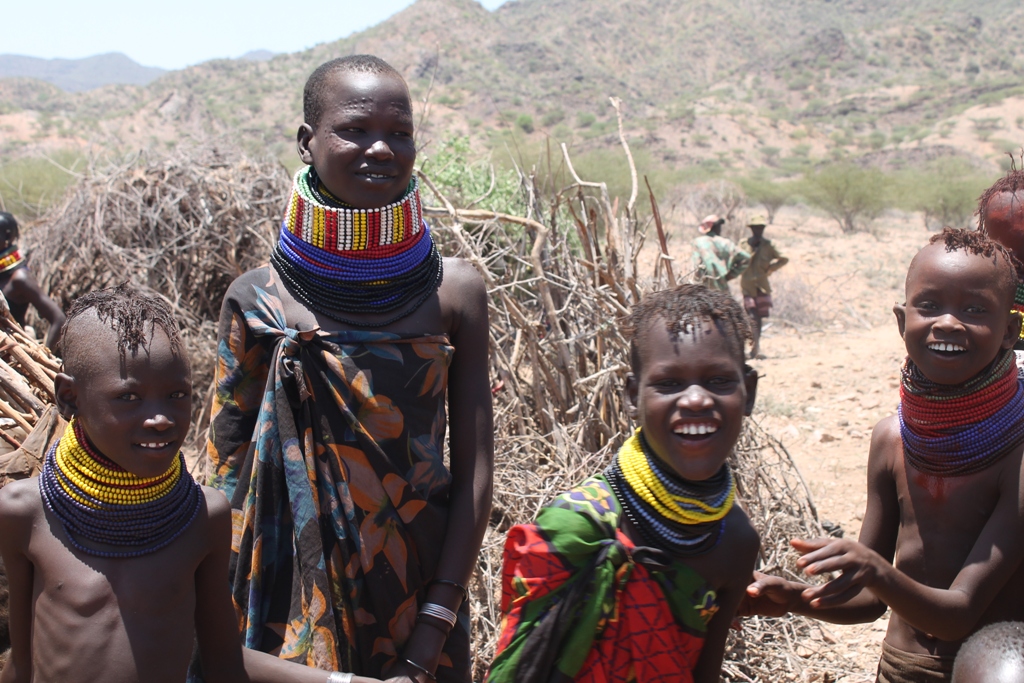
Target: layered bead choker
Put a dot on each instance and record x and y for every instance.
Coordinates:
(99, 501)
(341, 260)
(10, 258)
(953, 430)
(685, 518)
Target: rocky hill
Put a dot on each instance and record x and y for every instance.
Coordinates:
(717, 83)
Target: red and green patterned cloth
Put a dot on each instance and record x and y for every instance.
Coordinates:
(330, 448)
(581, 602)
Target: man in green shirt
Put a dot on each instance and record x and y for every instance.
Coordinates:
(716, 260)
(765, 259)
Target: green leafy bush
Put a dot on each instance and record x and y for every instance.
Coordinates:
(851, 195)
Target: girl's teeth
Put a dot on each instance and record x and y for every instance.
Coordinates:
(697, 430)
(946, 347)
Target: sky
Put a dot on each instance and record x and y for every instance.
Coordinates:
(185, 32)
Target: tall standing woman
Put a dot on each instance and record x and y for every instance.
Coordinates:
(354, 541)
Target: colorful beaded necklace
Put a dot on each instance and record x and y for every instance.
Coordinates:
(953, 430)
(97, 500)
(10, 258)
(683, 517)
(1018, 306)
(336, 258)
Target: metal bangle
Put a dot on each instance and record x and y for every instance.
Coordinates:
(455, 584)
(441, 612)
(419, 668)
(338, 677)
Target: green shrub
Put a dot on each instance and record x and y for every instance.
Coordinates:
(585, 120)
(525, 123)
(945, 191)
(30, 185)
(851, 195)
(761, 189)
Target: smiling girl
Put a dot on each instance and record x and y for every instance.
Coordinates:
(635, 574)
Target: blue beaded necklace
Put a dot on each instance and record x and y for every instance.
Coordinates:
(70, 488)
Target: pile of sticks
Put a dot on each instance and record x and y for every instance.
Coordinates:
(182, 227)
(27, 369)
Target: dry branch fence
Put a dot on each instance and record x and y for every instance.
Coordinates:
(184, 227)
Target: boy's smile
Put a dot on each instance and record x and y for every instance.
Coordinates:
(362, 148)
(134, 411)
(690, 398)
(956, 318)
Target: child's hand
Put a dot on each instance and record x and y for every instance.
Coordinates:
(860, 567)
(770, 596)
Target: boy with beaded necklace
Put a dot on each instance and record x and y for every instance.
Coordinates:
(944, 476)
(117, 559)
(354, 541)
(635, 574)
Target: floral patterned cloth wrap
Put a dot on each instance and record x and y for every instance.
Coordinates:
(583, 603)
(330, 448)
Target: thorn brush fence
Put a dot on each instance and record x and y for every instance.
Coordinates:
(559, 279)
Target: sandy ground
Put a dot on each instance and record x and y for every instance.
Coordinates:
(832, 366)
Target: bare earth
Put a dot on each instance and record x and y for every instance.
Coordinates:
(832, 366)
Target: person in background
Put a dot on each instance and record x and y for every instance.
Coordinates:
(716, 259)
(19, 287)
(765, 259)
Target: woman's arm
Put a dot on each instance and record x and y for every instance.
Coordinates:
(471, 443)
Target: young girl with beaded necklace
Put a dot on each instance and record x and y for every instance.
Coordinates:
(116, 557)
(355, 542)
(945, 499)
(635, 574)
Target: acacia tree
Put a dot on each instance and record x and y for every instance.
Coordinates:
(851, 195)
(765, 191)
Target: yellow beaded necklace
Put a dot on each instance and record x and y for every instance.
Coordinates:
(681, 509)
(103, 482)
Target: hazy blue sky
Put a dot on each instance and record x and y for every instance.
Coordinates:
(184, 32)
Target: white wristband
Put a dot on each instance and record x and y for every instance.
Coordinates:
(338, 677)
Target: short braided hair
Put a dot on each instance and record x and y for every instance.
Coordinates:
(996, 644)
(980, 244)
(683, 310)
(317, 83)
(131, 314)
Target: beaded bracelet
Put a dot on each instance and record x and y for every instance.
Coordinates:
(430, 609)
(456, 584)
(338, 677)
(419, 668)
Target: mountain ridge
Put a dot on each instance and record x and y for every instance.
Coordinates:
(76, 75)
(722, 83)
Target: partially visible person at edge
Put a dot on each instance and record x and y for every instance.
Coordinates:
(940, 544)
(765, 259)
(1001, 217)
(995, 654)
(354, 542)
(635, 574)
(19, 287)
(716, 260)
